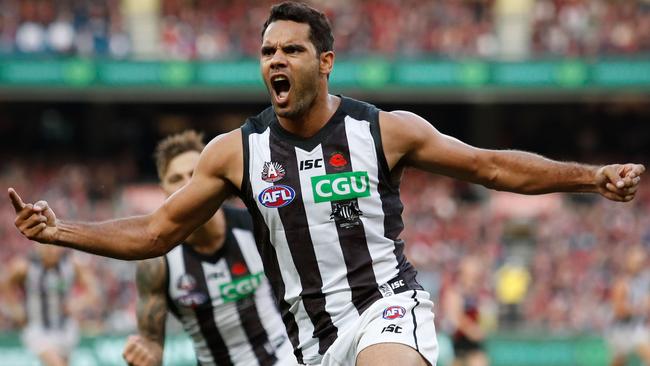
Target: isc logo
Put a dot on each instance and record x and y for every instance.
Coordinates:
(276, 196)
(394, 312)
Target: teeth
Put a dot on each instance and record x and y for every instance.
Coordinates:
(279, 78)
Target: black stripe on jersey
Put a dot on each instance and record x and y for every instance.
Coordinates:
(272, 272)
(296, 228)
(248, 315)
(266, 249)
(45, 315)
(415, 323)
(205, 313)
(361, 277)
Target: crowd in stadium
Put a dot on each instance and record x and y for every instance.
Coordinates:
(231, 29)
(562, 244)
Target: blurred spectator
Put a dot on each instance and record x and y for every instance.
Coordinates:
(231, 28)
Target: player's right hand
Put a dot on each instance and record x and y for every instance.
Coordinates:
(35, 221)
(138, 351)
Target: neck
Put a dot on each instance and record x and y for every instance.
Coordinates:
(209, 237)
(307, 125)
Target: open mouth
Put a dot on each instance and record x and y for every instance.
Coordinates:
(281, 86)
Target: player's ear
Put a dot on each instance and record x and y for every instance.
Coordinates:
(326, 62)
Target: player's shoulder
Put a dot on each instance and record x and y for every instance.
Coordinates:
(358, 109)
(237, 217)
(258, 123)
(152, 266)
(18, 267)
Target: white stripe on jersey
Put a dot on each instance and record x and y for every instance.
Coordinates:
(246, 242)
(261, 153)
(32, 292)
(331, 264)
(363, 157)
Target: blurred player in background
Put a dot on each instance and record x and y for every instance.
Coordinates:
(213, 283)
(46, 279)
(630, 331)
(461, 302)
(320, 175)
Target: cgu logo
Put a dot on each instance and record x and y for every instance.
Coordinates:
(342, 186)
(276, 196)
(240, 288)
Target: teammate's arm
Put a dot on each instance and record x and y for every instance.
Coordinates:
(10, 283)
(146, 348)
(453, 309)
(408, 139)
(86, 279)
(620, 305)
(219, 170)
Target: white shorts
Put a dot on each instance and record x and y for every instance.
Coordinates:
(405, 318)
(626, 338)
(38, 339)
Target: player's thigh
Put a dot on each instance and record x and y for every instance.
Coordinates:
(643, 351)
(52, 358)
(476, 358)
(390, 354)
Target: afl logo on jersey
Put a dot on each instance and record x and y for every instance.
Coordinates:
(193, 299)
(272, 172)
(186, 282)
(276, 196)
(394, 312)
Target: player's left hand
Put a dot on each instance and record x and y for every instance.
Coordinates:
(619, 182)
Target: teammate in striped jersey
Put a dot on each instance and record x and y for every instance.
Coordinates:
(320, 175)
(46, 280)
(213, 283)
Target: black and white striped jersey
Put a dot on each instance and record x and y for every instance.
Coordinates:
(224, 301)
(46, 291)
(327, 220)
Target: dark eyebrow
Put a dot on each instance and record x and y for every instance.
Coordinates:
(267, 50)
(294, 47)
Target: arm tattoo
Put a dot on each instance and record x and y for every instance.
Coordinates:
(151, 277)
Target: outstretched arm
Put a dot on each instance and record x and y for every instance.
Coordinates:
(146, 348)
(408, 139)
(218, 171)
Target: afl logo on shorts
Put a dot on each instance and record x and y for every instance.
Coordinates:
(394, 312)
(276, 196)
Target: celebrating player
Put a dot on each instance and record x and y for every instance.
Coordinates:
(320, 176)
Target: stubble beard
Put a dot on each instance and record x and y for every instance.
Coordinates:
(304, 95)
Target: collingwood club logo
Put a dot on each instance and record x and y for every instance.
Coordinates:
(272, 172)
(346, 214)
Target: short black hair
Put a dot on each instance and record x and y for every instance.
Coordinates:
(320, 31)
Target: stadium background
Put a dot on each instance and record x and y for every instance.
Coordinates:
(88, 87)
